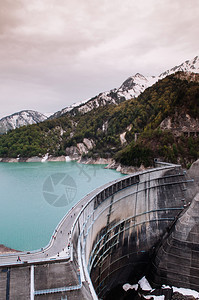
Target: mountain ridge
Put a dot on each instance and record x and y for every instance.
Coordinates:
(109, 131)
(21, 118)
(132, 87)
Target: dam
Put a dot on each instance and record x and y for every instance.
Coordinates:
(112, 236)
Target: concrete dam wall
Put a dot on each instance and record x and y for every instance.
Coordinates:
(141, 224)
(116, 232)
(177, 259)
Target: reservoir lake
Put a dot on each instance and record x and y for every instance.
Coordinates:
(34, 197)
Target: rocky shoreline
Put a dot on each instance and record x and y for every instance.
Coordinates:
(5, 250)
(78, 153)
(110, 163)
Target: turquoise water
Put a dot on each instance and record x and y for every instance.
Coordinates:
(35, 196)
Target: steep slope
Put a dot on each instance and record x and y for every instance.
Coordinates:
(103, 99)
(110, 131)
(132, 87)
(168, 113)
(16, 120)
(191, 65)
(135, 85)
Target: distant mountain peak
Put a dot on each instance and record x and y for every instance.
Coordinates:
(191, 65)
(21, 118)
(132, 87)
(138, 75)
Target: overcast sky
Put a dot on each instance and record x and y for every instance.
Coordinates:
(57, 52)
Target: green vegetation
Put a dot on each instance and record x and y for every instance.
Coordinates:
(160, 144)
(104, 125)
(36, 139)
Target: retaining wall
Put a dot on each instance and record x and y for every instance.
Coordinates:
(115, 233)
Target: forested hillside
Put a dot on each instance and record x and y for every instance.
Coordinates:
(171, 97)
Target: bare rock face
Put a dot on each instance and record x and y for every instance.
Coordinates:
(76, 152)
(58, 158)
(4, 249)
(34, 159)
(177, 260)
(73, 153)
(89, 143)
(82, 148)
(181, 124)
(193, 172)
(10, 160)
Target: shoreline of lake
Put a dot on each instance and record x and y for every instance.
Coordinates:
(7, 250)
(27, 190)
(109, 162)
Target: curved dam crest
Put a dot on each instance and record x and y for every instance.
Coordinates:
(110, 237)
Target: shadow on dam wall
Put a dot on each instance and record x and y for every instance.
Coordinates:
(146, 223)
(177, 257)
(117, 233)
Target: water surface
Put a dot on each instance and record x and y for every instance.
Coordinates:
(29, 211)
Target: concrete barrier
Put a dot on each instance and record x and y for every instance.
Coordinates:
(115, 233)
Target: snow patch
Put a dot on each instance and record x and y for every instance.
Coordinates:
(19, 119)
(186, 292)
(45, 158)
(105, 126)
(128, 286)
(61, 132)
(146, 287)
(144, 284)
(122, 138)
(162, 297)
(67, 158)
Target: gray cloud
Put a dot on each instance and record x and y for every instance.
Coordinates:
(54, 52)
(8, 15)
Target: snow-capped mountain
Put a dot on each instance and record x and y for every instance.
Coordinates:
(25, 117)
(136, 84)
(105, 98)
(67, 109)
(132, 87)
(188, 66)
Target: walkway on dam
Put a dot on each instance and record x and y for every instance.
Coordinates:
(46, 271)
(59, 245)
(60, 242)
